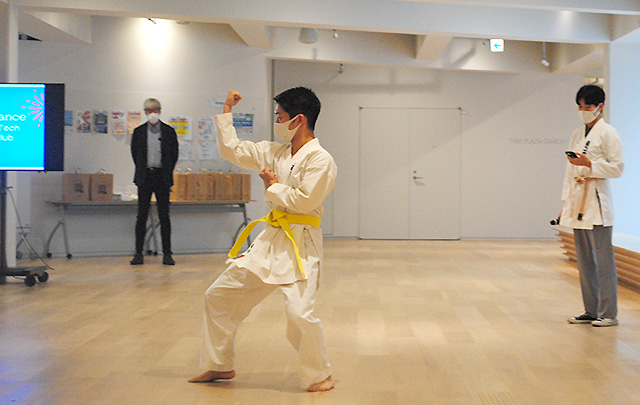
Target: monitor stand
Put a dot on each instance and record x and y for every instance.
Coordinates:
(31, 274)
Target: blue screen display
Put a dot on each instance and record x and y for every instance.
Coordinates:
(22, 126)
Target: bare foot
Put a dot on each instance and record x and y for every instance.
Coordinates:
(211, 375)
(324, 385)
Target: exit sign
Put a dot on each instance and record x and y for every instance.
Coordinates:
(496, 45)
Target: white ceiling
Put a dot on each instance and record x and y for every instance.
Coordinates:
(575, 30)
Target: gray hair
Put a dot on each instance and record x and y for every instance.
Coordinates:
(152, 103)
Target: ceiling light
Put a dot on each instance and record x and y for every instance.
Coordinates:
(308, 35)
(335, 34)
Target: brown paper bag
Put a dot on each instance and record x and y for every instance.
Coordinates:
(225, 187)
(180, 189)
(197, 186)
(245, 194)
(237, 180)
(75, 187)
(101, 187)
(212, 180)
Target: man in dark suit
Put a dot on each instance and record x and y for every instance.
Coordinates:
(154, 148)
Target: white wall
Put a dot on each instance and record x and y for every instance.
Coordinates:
(513, 137)
(514, 132)
(130, 59)
(623, 84)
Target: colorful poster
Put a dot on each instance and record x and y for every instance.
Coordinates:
(243, 123)
(205, 129)
(182, 125)
(100, 122)
(68, 122)
(83, 122)
(118, 123)
(134, 120)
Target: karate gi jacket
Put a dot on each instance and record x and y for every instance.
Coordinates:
(604, 149)
(304, 180)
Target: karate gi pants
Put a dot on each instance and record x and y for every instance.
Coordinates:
(229, 300)
(598, 273)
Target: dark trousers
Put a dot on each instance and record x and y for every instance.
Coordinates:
(153, 185)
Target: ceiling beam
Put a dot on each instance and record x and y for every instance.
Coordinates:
(571, 58)
(254, 35)
(372, 48)
(622, 7)
(389, 16)
(56, 27)
(431, 47)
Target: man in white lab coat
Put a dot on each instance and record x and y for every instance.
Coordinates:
(287, 254)
(587, 207)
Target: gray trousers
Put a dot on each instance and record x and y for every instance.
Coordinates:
(598, 274)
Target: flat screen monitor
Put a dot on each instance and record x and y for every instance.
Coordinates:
(31, 126)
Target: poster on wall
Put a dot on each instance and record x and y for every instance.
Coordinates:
(185, 151)
(182, 125)
(205, 129)
(243, 123)
(208, 151)
(68, 122)
(134, 120)
(100, 122)
(83, 122)
(118, 123)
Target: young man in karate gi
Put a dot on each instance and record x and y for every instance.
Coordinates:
(287, 254)
(587, 207)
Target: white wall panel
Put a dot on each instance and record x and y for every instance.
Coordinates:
(514, 132)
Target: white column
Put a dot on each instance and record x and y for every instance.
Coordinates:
(623, 92)
(9, 73)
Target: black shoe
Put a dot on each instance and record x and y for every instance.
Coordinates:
(584, 318)
(168, 260)
(137, 259)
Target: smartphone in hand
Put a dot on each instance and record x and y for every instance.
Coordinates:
(571, 154)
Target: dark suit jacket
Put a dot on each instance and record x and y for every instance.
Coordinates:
(169, 153)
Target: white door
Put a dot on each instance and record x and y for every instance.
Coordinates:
(409, 173)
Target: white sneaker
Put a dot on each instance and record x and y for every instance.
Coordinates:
(605, 322)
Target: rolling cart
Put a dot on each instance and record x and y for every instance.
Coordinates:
(32, 273)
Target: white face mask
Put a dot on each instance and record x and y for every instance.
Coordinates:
(153, 118)
(282, 131)
(589, 116)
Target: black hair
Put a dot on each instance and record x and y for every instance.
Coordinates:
(591, 94)
(300, 100)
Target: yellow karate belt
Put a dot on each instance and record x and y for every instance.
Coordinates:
(278, 219)
(583, 202)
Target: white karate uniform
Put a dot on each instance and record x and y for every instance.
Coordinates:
(304, 180)
(605, 153)
(592, 234)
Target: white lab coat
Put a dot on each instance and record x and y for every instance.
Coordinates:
(304, 180)
(605, 152)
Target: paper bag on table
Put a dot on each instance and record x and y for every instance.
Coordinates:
(101, 186)
(75, 187)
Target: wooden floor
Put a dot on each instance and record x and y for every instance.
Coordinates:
(464, 322)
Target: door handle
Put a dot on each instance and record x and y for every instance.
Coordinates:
(417, 177)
